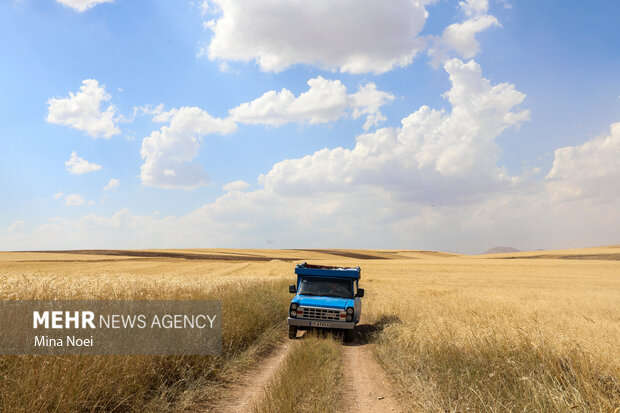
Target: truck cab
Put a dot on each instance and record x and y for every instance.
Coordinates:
(326, 297)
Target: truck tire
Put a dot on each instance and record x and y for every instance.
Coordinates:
(349, 335)
(292, 332)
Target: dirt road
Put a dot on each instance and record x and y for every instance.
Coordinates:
(368, 389)
(243, 395)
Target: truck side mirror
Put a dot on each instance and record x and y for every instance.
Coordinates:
(292, 289)
(360, 292)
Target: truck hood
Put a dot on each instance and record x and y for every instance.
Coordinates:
(338, 303)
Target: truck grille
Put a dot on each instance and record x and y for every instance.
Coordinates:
(321, 314)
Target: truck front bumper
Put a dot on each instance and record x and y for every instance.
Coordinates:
(305, 322)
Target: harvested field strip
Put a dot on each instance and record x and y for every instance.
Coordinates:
(349, 254)
(310, 379)
(433, 253)
(85, 261)
(165, 254)
(612, 257)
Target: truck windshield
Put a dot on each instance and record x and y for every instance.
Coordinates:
(330, 287)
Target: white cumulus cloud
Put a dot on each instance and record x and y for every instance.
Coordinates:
(368, 101)
(58, 195)
(168, 153)
(387, 185)
(590, 170)
(373, 215)
(114, 183)
(82, 5)
(355, 36)
(460, 38)
(235, 186)
(325, 101)
(83, 110)
(434, 155)
(433, 182)
(79, 166)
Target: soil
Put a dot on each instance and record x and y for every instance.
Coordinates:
(242, 395)
(368, 389)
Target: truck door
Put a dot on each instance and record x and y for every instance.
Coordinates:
(357, 305)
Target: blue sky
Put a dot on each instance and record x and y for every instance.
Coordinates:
(443, 125)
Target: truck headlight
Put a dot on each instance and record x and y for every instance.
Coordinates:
(293, 313)
(294, 306)
(350, 311)
(349, 317)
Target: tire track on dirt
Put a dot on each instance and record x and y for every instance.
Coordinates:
(244, 393)
(368, 389)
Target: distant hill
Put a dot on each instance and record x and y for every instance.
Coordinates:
(500, 250)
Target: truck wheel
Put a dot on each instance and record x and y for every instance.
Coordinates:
(292, 332)
(349, 335)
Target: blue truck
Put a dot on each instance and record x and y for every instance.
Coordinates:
(326, 297)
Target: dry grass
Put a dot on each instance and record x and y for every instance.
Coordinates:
(253, 312)
(500, 335)
(309, 381)
(455, 333)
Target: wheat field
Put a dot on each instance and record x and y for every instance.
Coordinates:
(254, 307)
(502, 333)
(533, 331)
